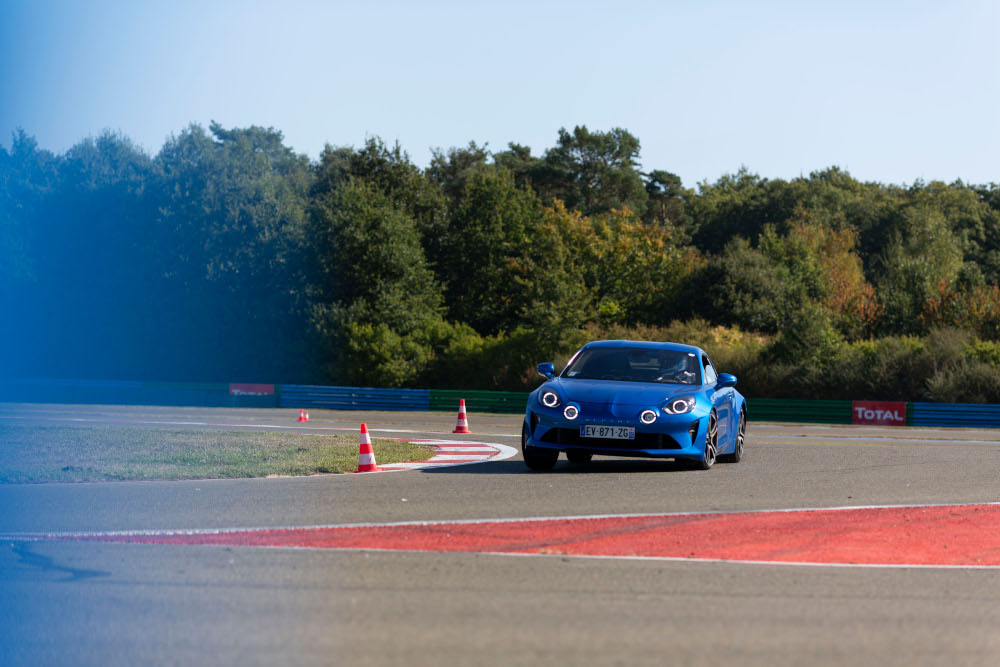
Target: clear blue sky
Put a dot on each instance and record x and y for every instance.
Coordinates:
(891, 91)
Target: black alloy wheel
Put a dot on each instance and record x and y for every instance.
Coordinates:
(711, 443)
(741, 436)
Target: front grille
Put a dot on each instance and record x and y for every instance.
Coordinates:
(571, 436)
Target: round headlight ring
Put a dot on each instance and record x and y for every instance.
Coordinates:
(679, 406)
(550, 399)
(647, 417)
(571, 412)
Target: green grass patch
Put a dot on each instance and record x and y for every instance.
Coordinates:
(31, 454)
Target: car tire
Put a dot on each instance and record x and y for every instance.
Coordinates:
(711, 444)
(579, 458)
(741, 434)
(537, 458)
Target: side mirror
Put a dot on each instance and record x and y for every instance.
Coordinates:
(726, 380)
(546, 369)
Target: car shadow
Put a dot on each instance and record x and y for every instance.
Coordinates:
(564, 467)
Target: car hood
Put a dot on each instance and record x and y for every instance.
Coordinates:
(621, 393)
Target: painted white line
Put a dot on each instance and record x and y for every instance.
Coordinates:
(411, 466)
(715, 562)
(458, 457)
(677, 559)
(452, 522)
(448, 460)
(466, 448)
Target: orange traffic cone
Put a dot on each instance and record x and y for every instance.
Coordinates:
(366, 456)
(463, 423)
(303, 416)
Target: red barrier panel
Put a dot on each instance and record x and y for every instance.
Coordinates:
(881, 413)
(236, 389)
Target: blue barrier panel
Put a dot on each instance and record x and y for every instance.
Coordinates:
(195, 394)
(352, 398)
(68, 391)
(956, 414)
(115, 392)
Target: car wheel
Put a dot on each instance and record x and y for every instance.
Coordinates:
(711, 443)
(535, 457)
(578, 457)
(741, 435)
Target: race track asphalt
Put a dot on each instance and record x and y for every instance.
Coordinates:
(98, 603)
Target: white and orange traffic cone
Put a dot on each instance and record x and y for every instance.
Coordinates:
(366, 455)
(463, 422)
(303, 416)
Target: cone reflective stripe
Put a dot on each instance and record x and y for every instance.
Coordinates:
(366, 455)
(463, 423)
(302, 416)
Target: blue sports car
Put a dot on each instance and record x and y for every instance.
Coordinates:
(630, 398)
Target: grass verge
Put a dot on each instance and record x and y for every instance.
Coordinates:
(31, 454)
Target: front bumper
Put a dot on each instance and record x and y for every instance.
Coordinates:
(670, 436)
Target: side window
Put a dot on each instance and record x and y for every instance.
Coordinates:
(711, 377)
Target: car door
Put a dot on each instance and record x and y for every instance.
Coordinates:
(721, 398)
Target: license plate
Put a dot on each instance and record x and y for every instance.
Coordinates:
(611, 432)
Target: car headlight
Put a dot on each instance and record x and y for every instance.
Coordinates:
(549, 399)
(679, 406)
(647, 417)
(571, 412)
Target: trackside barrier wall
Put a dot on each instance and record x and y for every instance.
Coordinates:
(955, 414)
(442, 400)
(111, 392)
(508, 402)
(798, 410)
(352, 398)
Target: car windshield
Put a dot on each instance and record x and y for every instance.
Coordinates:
(629, 364)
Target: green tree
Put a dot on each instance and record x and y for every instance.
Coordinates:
(634, 270)
(666, 204)
(595, 172)
(378, 310)
(527, 170)
(484, 244)
(914, 264)
(232, 209)
(739, 204)
(28, 175)
(390, 172)
(451, 171)
(741, 287)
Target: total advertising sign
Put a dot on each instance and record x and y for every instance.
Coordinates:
(251, 390)
(881, 413)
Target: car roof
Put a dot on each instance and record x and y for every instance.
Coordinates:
(645, 344)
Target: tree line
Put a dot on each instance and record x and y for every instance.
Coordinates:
(229, 257)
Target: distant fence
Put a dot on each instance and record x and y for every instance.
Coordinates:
(352, 398)
(799, 410)
(132, 393)
(956, 414)
(446, 400)
(509, 402)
